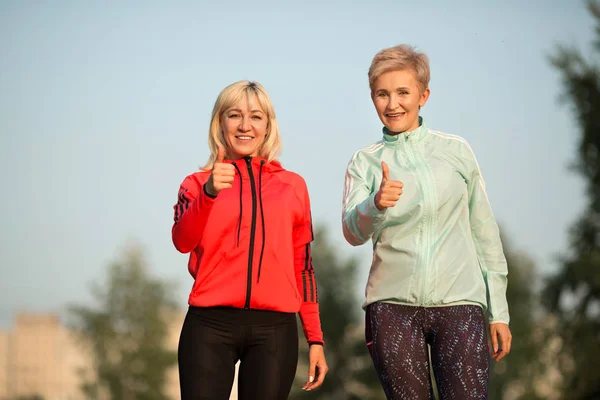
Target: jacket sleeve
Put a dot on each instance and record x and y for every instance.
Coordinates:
(486, 236)
(360, 216)
(305, 273)
(191, 213)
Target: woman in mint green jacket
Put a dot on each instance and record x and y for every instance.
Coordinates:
(438, 263)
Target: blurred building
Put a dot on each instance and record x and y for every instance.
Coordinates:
(4, 338)
(40, 356)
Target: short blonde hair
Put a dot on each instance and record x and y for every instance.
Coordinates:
(397, 58)
(229, 97)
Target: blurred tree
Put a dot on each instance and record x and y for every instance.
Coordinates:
(127, 332)
(351, 373)
(573, 293)
(515, 375)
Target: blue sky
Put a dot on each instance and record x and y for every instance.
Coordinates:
(104, 109)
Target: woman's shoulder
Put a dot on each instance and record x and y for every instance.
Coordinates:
(448, 138)
(286, 176)
(291, 177)
(370, 154)
(369, 149)
(452, 142)
(454, 145)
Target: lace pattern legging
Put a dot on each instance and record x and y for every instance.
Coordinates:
(397, 337)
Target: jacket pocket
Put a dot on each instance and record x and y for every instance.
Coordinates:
(207, 269)
(280, 272)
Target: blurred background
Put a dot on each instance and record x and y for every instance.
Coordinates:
(104, 109)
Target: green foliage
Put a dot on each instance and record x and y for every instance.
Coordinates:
(573, 293)
(519, 369)
(126, 332)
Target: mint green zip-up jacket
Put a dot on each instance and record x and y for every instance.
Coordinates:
(440, 244)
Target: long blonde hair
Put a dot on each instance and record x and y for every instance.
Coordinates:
(230, 96)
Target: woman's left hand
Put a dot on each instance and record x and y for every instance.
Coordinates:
(501, 340)
(317, 367)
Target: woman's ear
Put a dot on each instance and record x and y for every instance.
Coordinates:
(424, 98)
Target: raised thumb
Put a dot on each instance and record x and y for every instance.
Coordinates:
(220, 155)
(386, 171)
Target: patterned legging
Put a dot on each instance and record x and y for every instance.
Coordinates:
(397, 337)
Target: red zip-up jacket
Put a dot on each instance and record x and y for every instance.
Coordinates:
(250, 245)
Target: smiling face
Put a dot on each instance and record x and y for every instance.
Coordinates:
(244, 127)
(397, 97)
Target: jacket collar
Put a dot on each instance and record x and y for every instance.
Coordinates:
(413, 136)
(258, 164)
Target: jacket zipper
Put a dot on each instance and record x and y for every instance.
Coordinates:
(252, 234)
(428, 211)
(429, 221)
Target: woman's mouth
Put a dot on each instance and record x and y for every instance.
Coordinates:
(394, 115)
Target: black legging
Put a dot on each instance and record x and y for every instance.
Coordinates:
(214, 339)
(397, 337)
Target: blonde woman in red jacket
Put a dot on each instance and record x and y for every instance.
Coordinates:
(246, 223)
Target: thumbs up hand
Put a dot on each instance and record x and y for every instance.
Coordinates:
(221, 176)
(389, 191)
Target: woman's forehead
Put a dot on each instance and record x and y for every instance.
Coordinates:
(248, 102)
(253, 102)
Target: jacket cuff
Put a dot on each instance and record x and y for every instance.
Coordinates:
(311, 323)
(206, 192)
(375, 212)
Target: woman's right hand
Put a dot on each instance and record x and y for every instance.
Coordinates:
(389, 191)
(221, 176)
